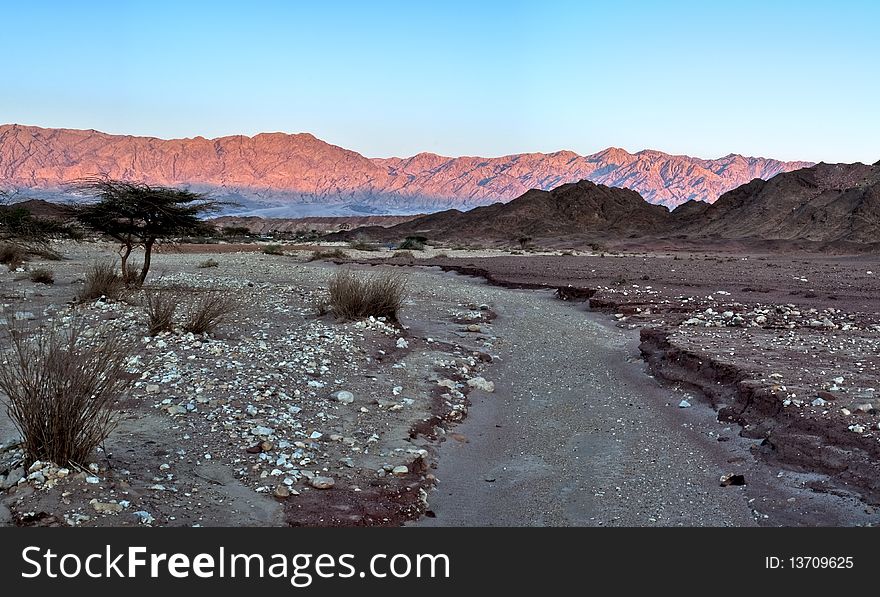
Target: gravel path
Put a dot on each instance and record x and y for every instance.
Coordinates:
(576, 433)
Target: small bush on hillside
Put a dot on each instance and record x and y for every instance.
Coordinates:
(404, 255)
(358, 295)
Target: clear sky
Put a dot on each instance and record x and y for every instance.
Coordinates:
(785, 79)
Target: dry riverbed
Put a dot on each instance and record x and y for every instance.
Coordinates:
(281, 417)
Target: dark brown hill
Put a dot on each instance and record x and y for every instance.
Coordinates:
(582, 209)
(824, 203)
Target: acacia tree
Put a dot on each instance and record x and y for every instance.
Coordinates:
(139, 215)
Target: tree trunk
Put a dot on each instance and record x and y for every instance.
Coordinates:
(125, 253)
(148, 252)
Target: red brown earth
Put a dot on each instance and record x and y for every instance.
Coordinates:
(303, 173)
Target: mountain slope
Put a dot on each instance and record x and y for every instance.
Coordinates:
(574, 209)
(823, 203)
(299, 174)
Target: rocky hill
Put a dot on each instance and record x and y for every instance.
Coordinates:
(583, 209)
(300, 175)
(823, 203)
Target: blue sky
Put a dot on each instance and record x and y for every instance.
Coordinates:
(792, 80)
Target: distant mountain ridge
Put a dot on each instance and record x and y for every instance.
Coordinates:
(298, 174)
(825, 204)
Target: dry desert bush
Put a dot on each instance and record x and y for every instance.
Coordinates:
(160, 305)
(361, 245)
(329, 254)
(206, 309)
(356, 295)
(60, 387)
(102, 279)
(11, 255)
(42, 275)
(273, 250)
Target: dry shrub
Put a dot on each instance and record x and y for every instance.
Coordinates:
(11, 255)
(42, 275)
(357, 295)
(160, 305)
(206, 310)
(330, 254)
(60, 388)
(413, 243)
(208, 263)
(131, 277)
(102, 279)
(273, 250)
(361, 245)
(404, 255)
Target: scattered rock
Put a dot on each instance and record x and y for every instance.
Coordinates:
(322, 482)
(14, 476)
(144, 517)
(282, 492)
(480, 383)
(106, 507)
(400, 471)
(344, 396)
(732, 479)
(684, 404)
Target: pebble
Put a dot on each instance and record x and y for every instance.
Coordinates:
(400, 471)
(144, 517)
(480, 383)
(344, 396)
(282, 492)
(106, 507)
(14, 476)
(322, 482)
(684, 404)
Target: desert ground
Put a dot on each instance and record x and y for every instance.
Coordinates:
(662, 389)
